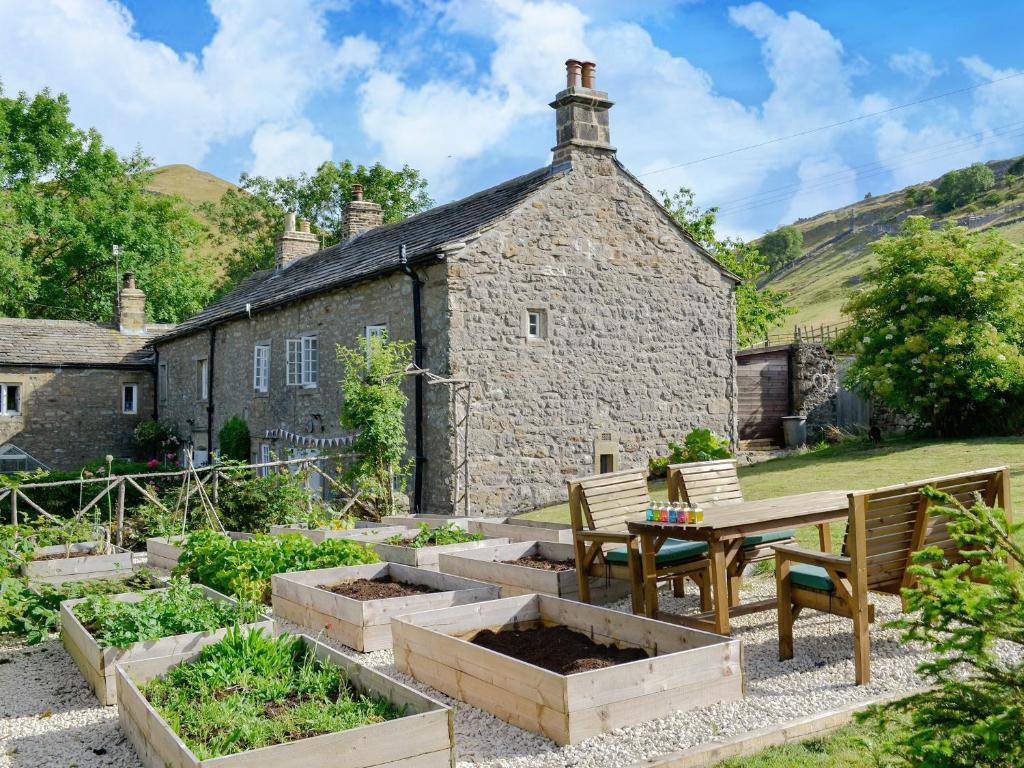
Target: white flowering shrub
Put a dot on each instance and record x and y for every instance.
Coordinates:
(938, 331)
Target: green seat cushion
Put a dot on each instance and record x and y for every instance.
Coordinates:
(810, 577)
(672, 551)
(767, 538)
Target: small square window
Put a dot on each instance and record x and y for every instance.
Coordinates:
(10, 399)
(607, 463)
(130, 398)
(535, 324)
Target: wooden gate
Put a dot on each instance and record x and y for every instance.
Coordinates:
(763, 384)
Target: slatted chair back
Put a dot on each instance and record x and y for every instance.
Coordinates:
(894, 523)
(605, 502)
(705, 483)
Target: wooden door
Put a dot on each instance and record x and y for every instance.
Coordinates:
(762, 378)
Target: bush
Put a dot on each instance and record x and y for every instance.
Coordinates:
(958, 188)
(156, 439)
(781, 247)
(699, 445)
(939, 331)
(921, 195)
(992, 198)
(974, 715)
(233, 439)
(247, 502)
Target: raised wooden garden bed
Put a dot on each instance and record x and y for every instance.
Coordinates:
(365, 535)
(426, 557)
(685, 668)
(97, 663)
(431, 521)
(505, 566)
(52, 566)
(422, 738)
(516, 529)
(366, 624)
(163, 552)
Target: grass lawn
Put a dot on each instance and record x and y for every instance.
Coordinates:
(856, 466)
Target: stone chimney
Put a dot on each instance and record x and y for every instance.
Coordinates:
(291, 245)
(581, 114)
(360, 215)
(131, 315)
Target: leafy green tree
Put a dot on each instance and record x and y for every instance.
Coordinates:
(65, 199)
(373, 406)
(939, 330)
(958, 188)
(966, 613)
(782, 246)
(251, 217)
(757, 309)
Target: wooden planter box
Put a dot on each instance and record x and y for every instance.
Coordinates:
(426, 557)
(57, 571)
(688, 668)
(366, 535)
(432, 521)
(423, 738)
(97, 663)
(488, 564)
(514, 529)
(155, 582)
(163, 552)
(365, 625)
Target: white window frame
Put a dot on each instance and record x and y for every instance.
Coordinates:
(203, 378)
(535, 324)
(261, 367)
(293, 362)
(264, 459)
(310, 361)
(134, 389)
(5, 406)
(372, 332)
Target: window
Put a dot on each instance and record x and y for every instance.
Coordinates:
(373, 331)
(13, 459)
(303, 362)
(203, 379)
(607, 463)
(130, 398)
(535, 324)
(261, 368)
(264, 459)
(161, 382)
(10, 399)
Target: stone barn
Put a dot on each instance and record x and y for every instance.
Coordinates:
(585, 326)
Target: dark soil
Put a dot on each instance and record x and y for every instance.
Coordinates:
(64, 556)
(558, 649)
(376, 589)
(542, 563)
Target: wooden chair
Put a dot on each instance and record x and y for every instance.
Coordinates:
(599, 507)
(885, 528)
(715, 483)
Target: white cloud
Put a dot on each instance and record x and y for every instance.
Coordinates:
(825, 182)
(284, 150)
(916, 65)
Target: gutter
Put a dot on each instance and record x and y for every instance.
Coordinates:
(418, 349)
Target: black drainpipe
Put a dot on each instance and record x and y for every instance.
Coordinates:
(418, 350)
(209, 395)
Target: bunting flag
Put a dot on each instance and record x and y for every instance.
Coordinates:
(315, 442)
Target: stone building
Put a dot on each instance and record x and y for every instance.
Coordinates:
(73, 392)
(592, 327)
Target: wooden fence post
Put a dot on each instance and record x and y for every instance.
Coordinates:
(215, 484)
(120, 512)
(14, 507)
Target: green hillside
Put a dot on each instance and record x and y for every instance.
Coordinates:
(835, 252)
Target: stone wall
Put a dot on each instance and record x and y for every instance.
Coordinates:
(639, 339)
(815, 383)
(73, 415)
(338, 317)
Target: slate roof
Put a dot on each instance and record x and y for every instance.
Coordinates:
(374, 252)
(25, 341)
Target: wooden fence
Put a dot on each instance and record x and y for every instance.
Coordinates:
(195, 481)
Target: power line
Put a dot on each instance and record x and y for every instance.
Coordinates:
(829, 126)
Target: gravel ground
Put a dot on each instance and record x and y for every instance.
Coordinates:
(50, 718)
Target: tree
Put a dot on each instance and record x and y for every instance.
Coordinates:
(782, 246)
(234, 439)
(251, 217)
(757, 310)
(939, 330)
(958, 188)
(373, 406)
(65, 199)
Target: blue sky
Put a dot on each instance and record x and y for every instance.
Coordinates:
(459, 88)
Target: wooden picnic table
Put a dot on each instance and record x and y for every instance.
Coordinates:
(724, 528)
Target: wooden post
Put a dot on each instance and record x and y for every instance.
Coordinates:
(857, 544)
(215, 485)
(782, 590)
(14, 507)
(120, 511)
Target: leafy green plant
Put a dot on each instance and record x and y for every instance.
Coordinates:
(156, 438)
(699, 445)
(373, 406)
(250, 690)
(960, 187)
(243, 568)
(248, 502)
(180, 609)
(967, 613)
(233, 439)
(448, 533)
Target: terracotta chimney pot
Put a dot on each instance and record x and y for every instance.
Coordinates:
(129, 279)
(357, 191)
(303, 226)
(289, 221)
(573, 67)
(588, 73)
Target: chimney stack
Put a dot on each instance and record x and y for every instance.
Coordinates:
(360, 215)
(131, 318)
(581, 114)
(291, 245)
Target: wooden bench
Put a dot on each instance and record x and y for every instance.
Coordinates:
(709, 484)
(599, 507)
(886, 527)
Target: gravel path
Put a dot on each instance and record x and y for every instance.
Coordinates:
(50, 718)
